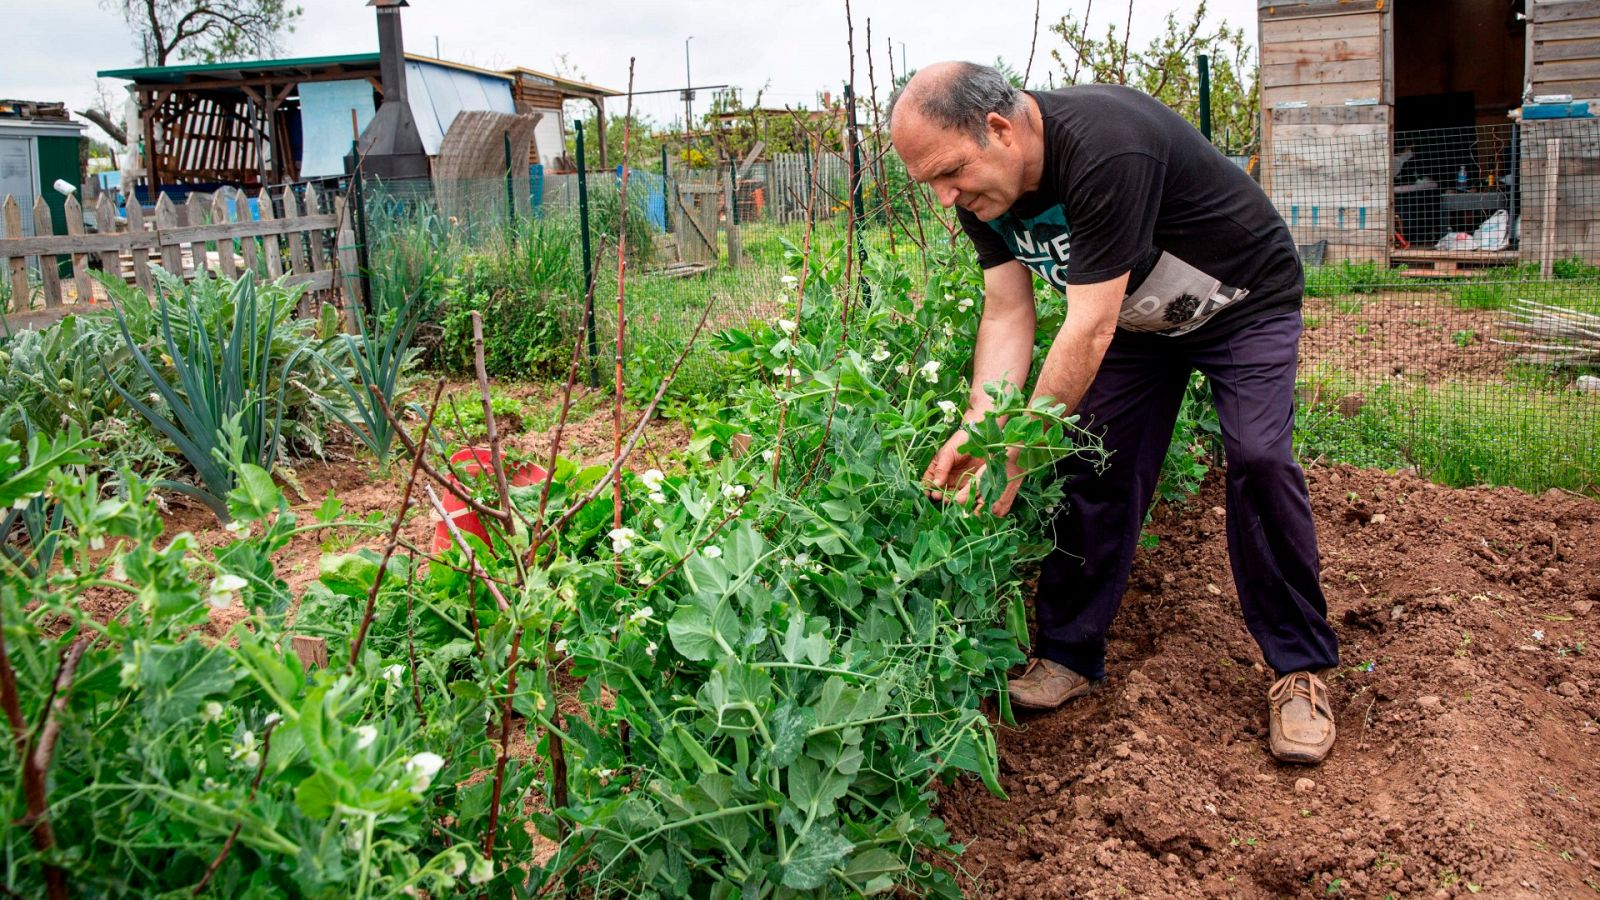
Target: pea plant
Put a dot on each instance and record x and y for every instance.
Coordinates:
(746, 677)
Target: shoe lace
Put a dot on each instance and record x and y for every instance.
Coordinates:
(1302, 685)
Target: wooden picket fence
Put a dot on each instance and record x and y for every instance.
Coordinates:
(301, 244)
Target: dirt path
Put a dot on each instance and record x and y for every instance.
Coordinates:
(1468, 742)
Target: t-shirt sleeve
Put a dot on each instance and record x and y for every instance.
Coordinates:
(1112, 208)
(992, 251)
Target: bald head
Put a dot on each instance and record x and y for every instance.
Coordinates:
(958, 96)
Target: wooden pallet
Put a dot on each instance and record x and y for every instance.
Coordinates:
(1451, 263)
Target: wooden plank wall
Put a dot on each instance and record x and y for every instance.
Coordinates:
(1564, 48)
(292, 239)
(1560, 183)
(1326, 95)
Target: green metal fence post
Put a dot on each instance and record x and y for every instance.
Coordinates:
(588, 262)
(1205, 94)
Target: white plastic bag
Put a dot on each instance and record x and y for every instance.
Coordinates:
(1494, 233)
(1456, 241)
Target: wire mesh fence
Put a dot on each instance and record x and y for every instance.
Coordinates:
(1453, 295)
(1452, 281)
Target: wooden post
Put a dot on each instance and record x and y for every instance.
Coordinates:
(349, 264)
(12, 216)
(220, 208)
(105, 219)
(269, 243)
(311, 651)
(292, 209)
(138, 255)
(1547, 230)
(48, 273)
(167, 217)
(241, 213)
(195, 214)
(80, 261)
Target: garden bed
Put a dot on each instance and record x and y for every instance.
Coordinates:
(1465, 758)
(1402, 337)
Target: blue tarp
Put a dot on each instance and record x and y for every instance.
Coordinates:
(325, 108)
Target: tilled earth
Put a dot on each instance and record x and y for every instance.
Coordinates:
(1467, 704)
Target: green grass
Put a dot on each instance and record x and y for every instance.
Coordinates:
(1533, 438)
(1575, 285)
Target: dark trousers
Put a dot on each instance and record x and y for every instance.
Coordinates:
(1272, 542)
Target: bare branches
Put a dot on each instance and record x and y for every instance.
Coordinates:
(1033, 46)
(394, 530)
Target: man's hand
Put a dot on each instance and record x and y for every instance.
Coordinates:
(951, 469)
(1002, 505)
(956, 476)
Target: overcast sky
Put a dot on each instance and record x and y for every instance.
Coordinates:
(792, 48)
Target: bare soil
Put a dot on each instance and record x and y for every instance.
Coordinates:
(1402, 338)
(1466, 758)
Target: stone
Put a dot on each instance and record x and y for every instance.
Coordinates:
(1428, 701)
(1588, 383)
(1378, 519)
(1568, 689)
(1582, 607)
(1304, 785)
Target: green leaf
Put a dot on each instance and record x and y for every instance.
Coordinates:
(698, 634)
(255, 496)
(174, 681)
(813, 856)
(874, 870)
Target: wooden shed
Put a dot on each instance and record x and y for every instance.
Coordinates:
(1390, 125)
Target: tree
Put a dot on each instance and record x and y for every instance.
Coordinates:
(1166, 70)
(206, 31)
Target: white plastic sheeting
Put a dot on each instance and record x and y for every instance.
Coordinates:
(437, 93)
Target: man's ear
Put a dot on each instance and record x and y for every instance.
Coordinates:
(1000, 129)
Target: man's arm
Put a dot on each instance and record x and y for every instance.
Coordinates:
(1081, 344)
(1004, 350)
(1069, 367)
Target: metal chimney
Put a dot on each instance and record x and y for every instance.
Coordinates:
(390, 147)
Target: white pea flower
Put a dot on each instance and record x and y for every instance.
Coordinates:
(621, 538)
(222, 589)
(652, 479)
(650, 650)
(423, 767)
(658, 524)
(1538, 634)
(210, 711)
(802, 559)
(789, 280)
(904, 368)
(458, 865)
(271, 719)
(561, 646)
(880, 352)
(392, 674)
(949, 330)
(789, 371)
(733, 491)
(964, 304)
(365, 735)
(930, 371)
(98, 542)
(640, 614)
(567, 593)
(766, 456)
(949, 409)
(245, 746)
(240, 530)
(657, 497)
(786, 326)
(712, 552)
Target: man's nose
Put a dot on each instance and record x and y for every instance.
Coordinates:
(947, 194)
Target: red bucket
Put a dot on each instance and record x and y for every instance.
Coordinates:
(471, 462)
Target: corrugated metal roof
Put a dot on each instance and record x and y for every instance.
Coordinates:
(180, 74)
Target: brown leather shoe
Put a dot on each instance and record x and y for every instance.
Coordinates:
(1301, 727)
(1047, 684)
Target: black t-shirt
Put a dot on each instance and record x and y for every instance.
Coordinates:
(1130, 186)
